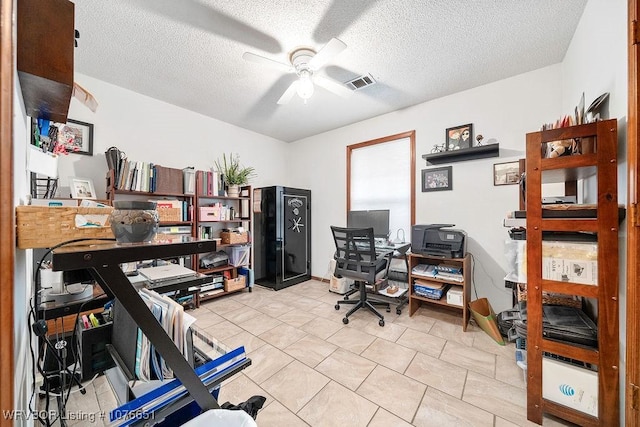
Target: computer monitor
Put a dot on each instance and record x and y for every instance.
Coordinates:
(378, 219)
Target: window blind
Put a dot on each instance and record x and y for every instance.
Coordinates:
(381, 179)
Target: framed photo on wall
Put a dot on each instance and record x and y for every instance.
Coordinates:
(62, 138)
(76, 137)
(459, 137)
(437, 179)
(82, 188)
(507, 173)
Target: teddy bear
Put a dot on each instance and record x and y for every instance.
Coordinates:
(563, 147)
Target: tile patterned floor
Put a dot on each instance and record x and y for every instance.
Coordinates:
(316, 371)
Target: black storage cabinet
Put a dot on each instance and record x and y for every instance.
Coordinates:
(282, 236)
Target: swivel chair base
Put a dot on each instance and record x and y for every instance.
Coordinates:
(362, 302)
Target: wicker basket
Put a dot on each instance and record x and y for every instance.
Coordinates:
(232, 238)
(170, 214)
(234, 284)
(44, 226)
(550, 298)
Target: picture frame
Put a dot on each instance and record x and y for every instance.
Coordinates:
(82, 188)
(507, 173)
(437, 179)
(459, 137)
(76, 136)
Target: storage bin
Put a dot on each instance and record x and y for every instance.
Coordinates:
(44, 226)
(169, 214)
(229, 238)
(210, 213)
(238, 255)
(234, 284)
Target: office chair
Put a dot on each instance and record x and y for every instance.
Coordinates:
(356, 259)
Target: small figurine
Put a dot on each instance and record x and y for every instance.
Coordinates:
(563, 147)
(479, 139)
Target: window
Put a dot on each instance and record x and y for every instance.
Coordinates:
(380, 175)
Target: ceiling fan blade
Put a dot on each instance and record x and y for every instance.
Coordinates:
(194, 14)
(340, 16)
(288, 94)
(331, 49)
(333, 86)
(252, 57)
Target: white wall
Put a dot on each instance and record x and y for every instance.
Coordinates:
(150, 130)
(23, 289)
(504, 111)
(596, 62)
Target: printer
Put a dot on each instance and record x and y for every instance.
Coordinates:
(438, 240)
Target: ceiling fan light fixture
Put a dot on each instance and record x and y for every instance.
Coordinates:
(305, 86)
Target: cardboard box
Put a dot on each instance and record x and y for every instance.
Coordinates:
(570, 262)
(339, 285)
(454, 296)
(235, 284)
(570, 386)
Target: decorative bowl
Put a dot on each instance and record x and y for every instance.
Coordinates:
(134, 221)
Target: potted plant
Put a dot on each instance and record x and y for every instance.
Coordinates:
(234, 173)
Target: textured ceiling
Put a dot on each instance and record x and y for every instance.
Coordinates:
(189, 53)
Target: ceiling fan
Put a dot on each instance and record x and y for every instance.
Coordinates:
(305, 62)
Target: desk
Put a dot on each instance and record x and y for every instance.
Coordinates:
(103, 261)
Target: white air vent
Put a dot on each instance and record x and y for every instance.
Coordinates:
(361, 82)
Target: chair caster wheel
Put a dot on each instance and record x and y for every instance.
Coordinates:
(337, 306)
(388, 309)
(345, 321)
(346, 298)
(398, 311)
(381, 323)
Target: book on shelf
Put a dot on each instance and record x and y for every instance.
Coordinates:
(428, 284)
(169, 180)
(441, 271)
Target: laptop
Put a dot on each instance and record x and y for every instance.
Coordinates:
(166, 272)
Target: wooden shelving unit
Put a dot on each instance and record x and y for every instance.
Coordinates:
(113, 192)
(215, 226)
(415, 301)
(599, 161)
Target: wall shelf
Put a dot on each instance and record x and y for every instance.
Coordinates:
(481, 152)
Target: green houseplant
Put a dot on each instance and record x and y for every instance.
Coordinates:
(234, 173)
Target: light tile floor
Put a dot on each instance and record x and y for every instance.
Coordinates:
(315, 371)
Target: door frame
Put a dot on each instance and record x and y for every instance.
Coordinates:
(632, 364)
(7, 231)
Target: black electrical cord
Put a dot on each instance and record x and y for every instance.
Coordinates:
(31, 318)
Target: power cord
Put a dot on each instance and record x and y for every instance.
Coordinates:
(31, 319)
(473, 279)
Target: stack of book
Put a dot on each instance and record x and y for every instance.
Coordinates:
(441, 271)
(428, 289)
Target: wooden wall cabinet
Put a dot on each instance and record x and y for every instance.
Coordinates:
(45, 43)
(598, 160)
